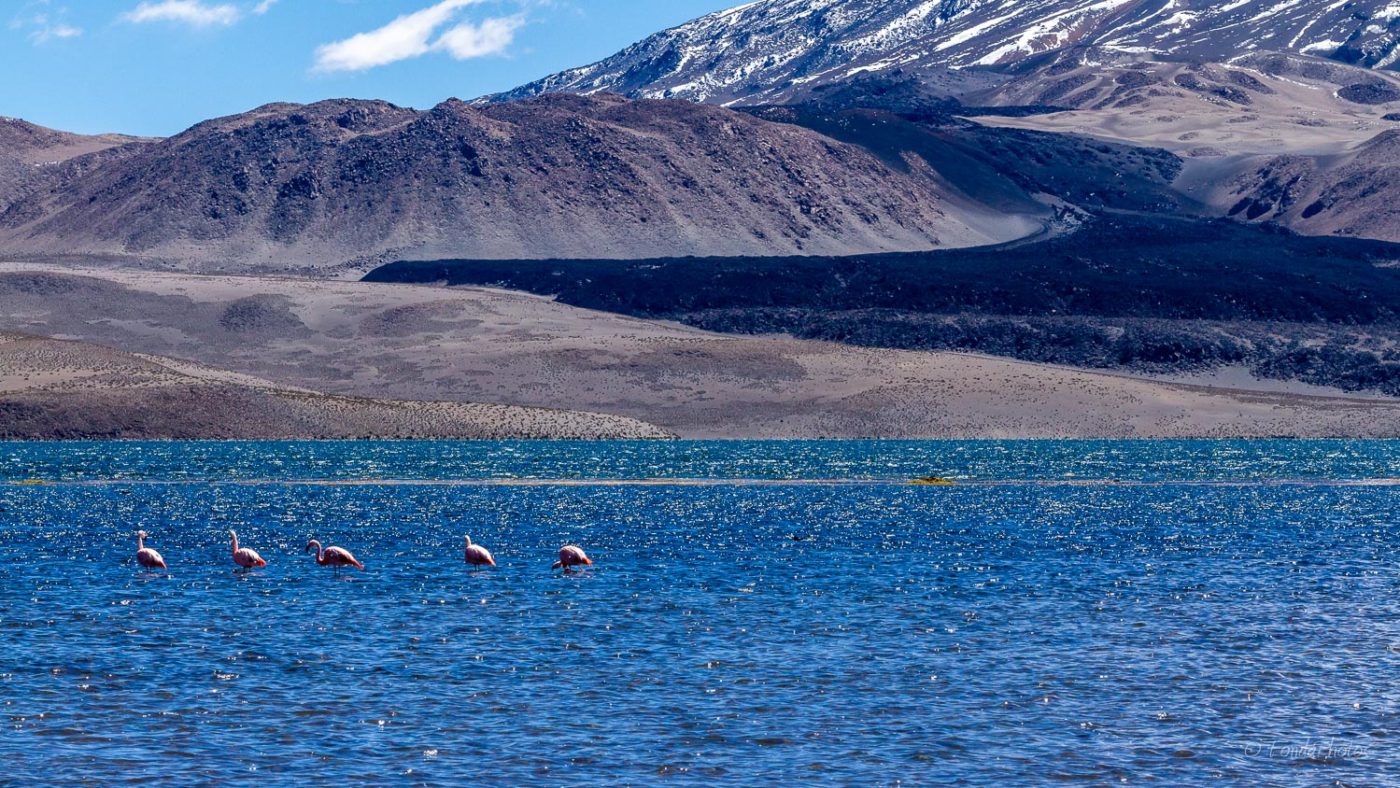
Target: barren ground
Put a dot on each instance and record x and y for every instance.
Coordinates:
(485, 346)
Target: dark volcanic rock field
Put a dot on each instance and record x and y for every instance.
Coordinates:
(1137, 293)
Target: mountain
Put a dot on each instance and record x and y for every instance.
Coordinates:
(1255, 103)
(1355, 192)
(294, 187)
(28, 143)
(774, 50)
(32, 155)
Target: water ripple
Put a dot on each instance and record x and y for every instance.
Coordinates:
(991, 634)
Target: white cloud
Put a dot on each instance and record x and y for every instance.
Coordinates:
(189, 12)
(491, 37)
(44, 22)
(412, 35)
(263, 7)
(56, 30)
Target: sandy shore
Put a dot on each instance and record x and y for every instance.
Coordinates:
(52, 389)
(483, 346)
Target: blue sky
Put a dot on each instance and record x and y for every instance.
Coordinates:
(158, 66)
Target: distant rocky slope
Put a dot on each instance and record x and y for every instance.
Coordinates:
(32, 156)
(25, 142)
(55, 390)
(1269, 138)
(1354, 192)
(867, 127)
(1280, 110)
(290, 187)
(768, 51)
(1289, 95)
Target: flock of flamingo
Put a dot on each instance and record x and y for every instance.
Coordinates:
(246, 558)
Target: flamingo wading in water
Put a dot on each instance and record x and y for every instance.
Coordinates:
(478, 555)
(334, 556)
(145, 556)
(246, 557)
(571, 556)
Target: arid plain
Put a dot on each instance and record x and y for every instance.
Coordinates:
(471, 345)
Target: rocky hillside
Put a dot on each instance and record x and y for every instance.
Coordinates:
(1265, 103)
(1289, 140)
(27, 143)
(1281, 110)
(1354, 193)
(33, 156)
(296, 187)
(767, 51)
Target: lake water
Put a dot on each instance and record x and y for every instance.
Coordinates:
(1088, 612)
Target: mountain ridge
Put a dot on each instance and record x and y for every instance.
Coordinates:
(761, 52)
(301, 187)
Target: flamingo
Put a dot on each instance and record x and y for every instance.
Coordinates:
(145, 556)
(571, 556)
(334, 556)
(478, 555)
(247, 557)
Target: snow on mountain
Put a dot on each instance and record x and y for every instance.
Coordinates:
(761, 52)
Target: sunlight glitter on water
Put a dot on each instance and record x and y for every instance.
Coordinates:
(995, 633)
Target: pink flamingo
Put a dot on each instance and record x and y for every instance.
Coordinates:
(247, 557)
(334, 556)
(145, 556)
(571, 556)
(478, 555)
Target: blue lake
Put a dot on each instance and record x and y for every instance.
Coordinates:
(1094, 612)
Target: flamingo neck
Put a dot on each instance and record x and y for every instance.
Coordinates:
(140, 541)
(235, 542)
(320, 551)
